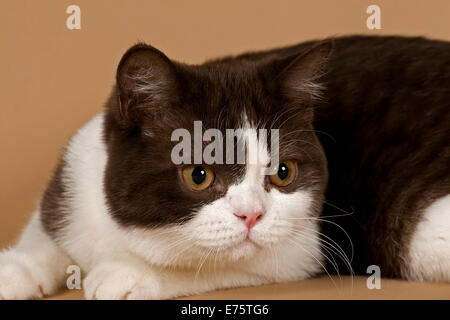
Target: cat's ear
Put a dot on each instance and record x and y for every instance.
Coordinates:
(146, 84)
(298, 76)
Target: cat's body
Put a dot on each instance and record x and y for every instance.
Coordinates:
(386, 116)
(119, 208)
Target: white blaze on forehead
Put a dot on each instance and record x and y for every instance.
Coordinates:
(257, 153)
(248, 194)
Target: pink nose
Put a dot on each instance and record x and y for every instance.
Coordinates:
(249, 219)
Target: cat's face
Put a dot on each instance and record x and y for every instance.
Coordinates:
(230, 209)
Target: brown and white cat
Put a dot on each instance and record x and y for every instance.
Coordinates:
(364, 125)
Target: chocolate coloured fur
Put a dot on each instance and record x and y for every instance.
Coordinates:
(383, 122)
(52, 203)
(387, 108)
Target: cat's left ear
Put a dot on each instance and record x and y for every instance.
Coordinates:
(147, 85)
(297, 77)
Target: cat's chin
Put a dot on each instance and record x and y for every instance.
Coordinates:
(243, 250)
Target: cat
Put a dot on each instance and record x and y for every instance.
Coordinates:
(363, 175)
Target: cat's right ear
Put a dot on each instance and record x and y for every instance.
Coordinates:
(146, 85)
(297, 76)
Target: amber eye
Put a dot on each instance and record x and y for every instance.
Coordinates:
(198, 177)
(285, 175)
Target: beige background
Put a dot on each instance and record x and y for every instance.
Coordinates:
(53, 79)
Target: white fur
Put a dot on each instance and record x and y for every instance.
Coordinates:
(147, 82)
(429, 251)
(208, 252)
(35, 267)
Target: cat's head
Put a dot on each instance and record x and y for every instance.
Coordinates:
(231, 209)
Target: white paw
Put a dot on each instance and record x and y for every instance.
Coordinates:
(121, 280)
(17, 282)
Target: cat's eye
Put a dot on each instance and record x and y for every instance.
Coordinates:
(285, 174)
(198, 177)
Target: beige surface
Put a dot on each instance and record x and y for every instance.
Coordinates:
(53, 79)
(321, 288)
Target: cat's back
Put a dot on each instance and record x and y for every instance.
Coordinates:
(366, 70)
(384, 123)
(387, 107)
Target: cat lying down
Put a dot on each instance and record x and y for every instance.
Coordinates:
(358, 129)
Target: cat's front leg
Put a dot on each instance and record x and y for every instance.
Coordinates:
(35, 267)
(127, 277)
(131, 278)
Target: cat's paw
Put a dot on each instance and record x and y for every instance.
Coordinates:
(121, 280)
(17, 281)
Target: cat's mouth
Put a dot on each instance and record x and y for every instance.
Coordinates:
(247, 240)
(250, 240)
(244, 241)
(243, 249)
(248, 243)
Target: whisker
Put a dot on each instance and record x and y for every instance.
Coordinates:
(324, 246)
(320, 263)
(340, 209)
(335, 249)
(339, 251)
(333, 223)
(315, 131)
(202, 261)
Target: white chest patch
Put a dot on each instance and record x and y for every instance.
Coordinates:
(429, 251)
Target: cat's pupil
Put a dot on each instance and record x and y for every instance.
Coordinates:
(283, 171)
(198, 175)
